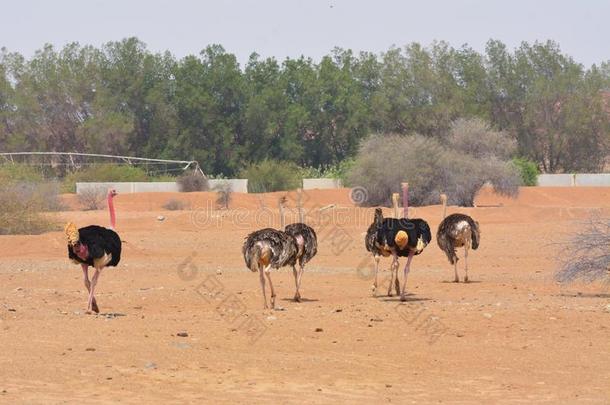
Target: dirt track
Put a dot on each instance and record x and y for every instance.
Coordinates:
(511, 336)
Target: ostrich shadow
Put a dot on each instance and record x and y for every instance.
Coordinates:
(303, 300)
(410, 298)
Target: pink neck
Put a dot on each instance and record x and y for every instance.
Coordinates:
(111, 210)
(405, 199)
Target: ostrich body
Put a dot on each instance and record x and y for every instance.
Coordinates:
(403, 238)
(398, 238)
(307, 247)
(370, 242)
(457, 230)
(266, 249)
(94, 246)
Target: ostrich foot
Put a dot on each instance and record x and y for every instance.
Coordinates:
(374, 290)
(95, 308)
(403, 296)
(456, 280)
(297, 297)
(466, 279)
(273, 302)
(397, 286)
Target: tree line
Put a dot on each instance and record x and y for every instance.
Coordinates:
(123, 99)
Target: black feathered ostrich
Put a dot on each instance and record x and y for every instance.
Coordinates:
(370, 242)
(94, 246)
(400, 238)
(457, 230)
(266, 249)
(307, 247)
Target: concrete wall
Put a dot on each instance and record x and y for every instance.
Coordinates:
(310, 184)
(130, 187)
(238, 185)
(556, 180)
(593, 180)
(578, 179)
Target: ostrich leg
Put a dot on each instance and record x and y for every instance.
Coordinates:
(466, 263)
(376, 257)
(261, 272)
(455, 261)
(393, 273)
(301, 271)
(297, 295)
(96, 275)
(396, 281)
(403, 294)
(85, 268)
(268, 274)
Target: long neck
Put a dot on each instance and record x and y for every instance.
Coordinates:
(405, 199)
(282, 219)
(111, 210)
(444, 209)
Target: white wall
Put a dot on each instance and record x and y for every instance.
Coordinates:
(238, 185)
(578, 179)
(556, 180)
(310, 184)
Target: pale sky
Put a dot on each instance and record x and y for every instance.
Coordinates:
(290, 28)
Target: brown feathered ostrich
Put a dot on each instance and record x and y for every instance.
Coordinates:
(266, 249)
(94, 246)
(307, 247)
(457, 230)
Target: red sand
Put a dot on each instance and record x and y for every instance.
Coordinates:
(511, 336)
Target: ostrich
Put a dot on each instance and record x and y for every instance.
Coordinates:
(94, 246)
(307, 247)
(400, 238)
(455, 231)
(269, 248)
(370, 242)
(405, 238)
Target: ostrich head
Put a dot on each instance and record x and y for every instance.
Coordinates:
(112, 193)
(401, 239)
(72, 234)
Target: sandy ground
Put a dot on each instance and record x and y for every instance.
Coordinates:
(511, 336)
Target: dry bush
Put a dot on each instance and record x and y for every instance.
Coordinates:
(192, 181)
(22, 206)
(475, 137)
(384, 161)
(224, 193)
(174, 205)
(586, 255)
(92, 198)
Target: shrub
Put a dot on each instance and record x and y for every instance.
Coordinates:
(22, 205)
(224, 192)
(272, 175)
(528, 170)
(192, 181)
(103, 173)
(337, 171)
(584, 256)
(12, 173)
(384, 161)
(474, 137)
(92, 198)
(174, 205)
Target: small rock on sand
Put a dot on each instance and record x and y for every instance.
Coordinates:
(182, 334)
